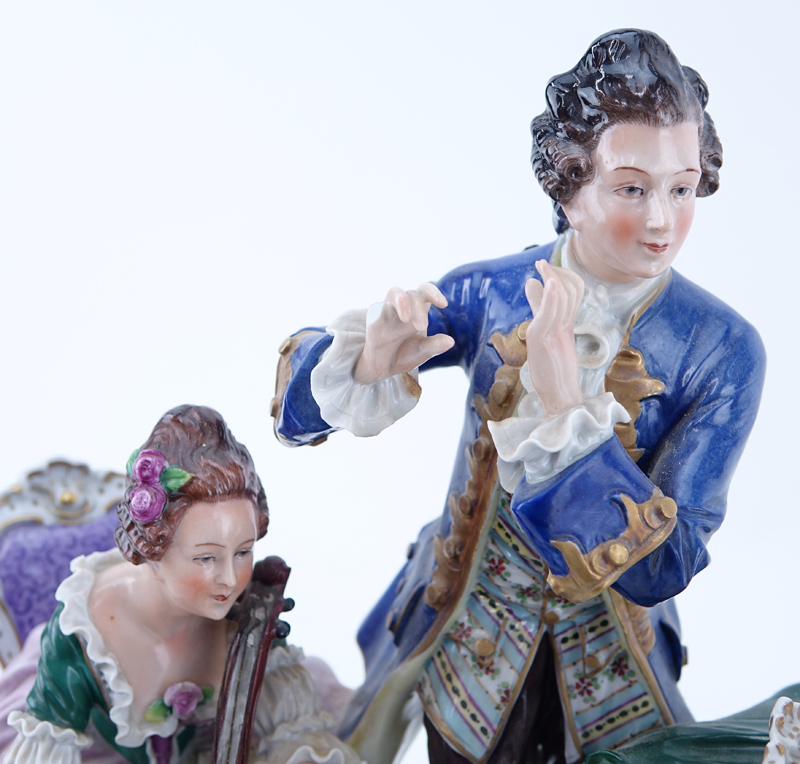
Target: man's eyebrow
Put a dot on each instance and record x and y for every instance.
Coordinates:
(635, 169)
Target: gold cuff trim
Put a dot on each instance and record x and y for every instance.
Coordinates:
(649, 525)
(282, 378)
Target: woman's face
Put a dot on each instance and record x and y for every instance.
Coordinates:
(210, 560)
(630, 221)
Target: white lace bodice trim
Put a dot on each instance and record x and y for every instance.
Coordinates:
(74, 592)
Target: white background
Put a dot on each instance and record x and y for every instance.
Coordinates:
(183, 184)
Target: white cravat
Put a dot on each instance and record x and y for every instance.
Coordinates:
(540, 446)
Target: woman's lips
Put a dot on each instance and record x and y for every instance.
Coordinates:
(655, 247)
(221, 597)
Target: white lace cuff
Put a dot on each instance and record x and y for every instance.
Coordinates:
(364, 410)
(540, 447)
(43, 743)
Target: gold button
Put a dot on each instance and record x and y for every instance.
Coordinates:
(285, 346)
(67, 498)
(484, 648)
(551, 617)
(668, 507)
(618, 554)
(592, 662)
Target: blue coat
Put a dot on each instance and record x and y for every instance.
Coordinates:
(693, 402)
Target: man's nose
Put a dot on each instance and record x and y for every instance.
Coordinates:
(659, 212)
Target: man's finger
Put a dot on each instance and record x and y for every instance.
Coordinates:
(534, 293)
(430, 293)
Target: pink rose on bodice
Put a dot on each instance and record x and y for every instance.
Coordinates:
(183, 698)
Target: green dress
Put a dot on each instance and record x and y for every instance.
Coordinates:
(67, 693)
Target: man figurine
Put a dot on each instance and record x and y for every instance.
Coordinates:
(533, 620)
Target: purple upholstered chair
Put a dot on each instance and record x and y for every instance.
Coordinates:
(55, 514)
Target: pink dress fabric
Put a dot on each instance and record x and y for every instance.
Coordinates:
(16, 682)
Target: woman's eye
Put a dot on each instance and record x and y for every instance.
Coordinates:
(242, 553)
(630, 192)
(207, 558)
(682, 192)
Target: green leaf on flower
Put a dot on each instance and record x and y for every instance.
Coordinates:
(174, 478)
(208, 693)
(157, 712)
(131, 460)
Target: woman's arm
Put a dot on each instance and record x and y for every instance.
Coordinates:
(60, 704)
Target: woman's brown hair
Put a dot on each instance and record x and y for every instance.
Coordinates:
(196, 439)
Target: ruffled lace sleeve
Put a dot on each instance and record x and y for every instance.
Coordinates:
(288, 719)
(539, 446)
(364, 410)
(39, 742)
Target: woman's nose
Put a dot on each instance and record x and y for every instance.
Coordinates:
(226, 575)
(659, 213)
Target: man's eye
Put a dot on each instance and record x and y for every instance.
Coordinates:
(630, 192)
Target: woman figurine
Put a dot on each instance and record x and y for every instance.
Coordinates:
(533, 621)
(135, 652)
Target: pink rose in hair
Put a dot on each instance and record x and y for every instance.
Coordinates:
(183, 698)
(147, 466)
(146, 502)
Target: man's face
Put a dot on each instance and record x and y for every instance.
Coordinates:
(631, 220)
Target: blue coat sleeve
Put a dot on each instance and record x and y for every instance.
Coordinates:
(297, 416)
(643, 528)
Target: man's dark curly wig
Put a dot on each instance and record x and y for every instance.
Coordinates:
(626, 76)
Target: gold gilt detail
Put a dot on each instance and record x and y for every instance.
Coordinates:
(284, 374)
(649, 524)
(630, 383)
(635, 621)
(468, 509)
(642, 625)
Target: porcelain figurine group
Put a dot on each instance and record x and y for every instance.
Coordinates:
(609, 402)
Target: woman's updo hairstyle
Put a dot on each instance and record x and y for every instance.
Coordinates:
(196, 439)
(627, 76)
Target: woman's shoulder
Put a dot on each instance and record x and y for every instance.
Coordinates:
(110, 592)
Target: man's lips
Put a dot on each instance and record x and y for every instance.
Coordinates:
(655, 247)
